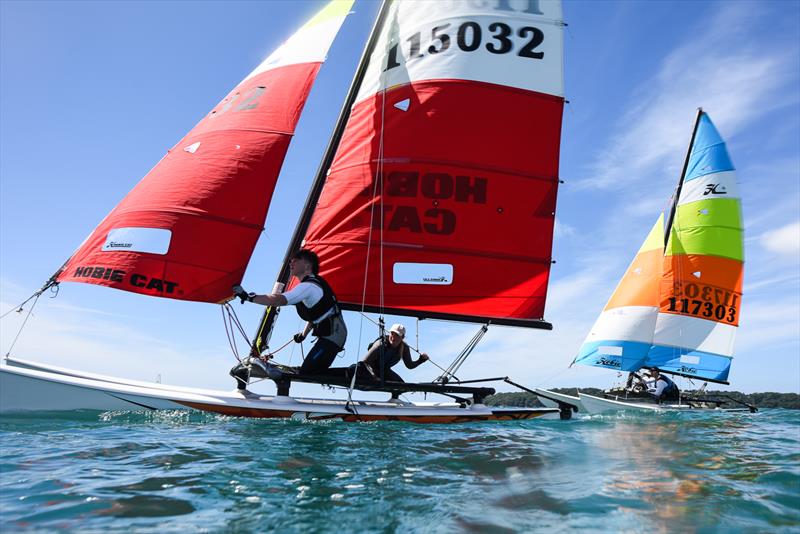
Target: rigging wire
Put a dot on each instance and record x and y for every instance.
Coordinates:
(52, 286)
(24, 322)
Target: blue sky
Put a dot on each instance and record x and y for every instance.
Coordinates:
(92, 94)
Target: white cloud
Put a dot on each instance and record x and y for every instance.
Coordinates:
(736, 80)
(784, 241)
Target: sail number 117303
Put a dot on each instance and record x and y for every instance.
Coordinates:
(469, 37)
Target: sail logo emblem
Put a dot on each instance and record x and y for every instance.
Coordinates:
(438, 274)
(688, 370)
(136, 239)
(609, 362)
(715, 189)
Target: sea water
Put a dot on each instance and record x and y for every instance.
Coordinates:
(191, 472)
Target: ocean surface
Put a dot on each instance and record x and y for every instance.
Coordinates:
(190, 472)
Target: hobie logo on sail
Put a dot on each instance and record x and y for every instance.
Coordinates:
(608, 362)
(152, 240)
(715, 189)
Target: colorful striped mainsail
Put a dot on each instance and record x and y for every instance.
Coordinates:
(677, 306)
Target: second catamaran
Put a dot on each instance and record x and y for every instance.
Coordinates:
(678, 304)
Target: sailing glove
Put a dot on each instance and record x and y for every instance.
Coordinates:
(299, 337)
(238, 291)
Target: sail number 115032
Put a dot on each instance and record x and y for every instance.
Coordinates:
(469, 37)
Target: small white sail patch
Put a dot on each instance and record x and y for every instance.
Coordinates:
(403, 104)
(152, 240)
(440, 274)
(191, 149)
(610, 350)
(693, 360)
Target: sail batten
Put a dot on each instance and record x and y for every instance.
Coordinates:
(191, 224)
(692, 283)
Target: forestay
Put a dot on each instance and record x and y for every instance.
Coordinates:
(188, 229)
(441, 198)
(677, 306)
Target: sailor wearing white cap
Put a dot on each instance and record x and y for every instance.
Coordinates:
(385, 353)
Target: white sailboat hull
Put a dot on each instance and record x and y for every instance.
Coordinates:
(597, 405)
(31, 387)
(549, 399)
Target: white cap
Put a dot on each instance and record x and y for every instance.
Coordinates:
(398, 329)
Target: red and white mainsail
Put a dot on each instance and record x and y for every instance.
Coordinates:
(440, 201)
(188, 229)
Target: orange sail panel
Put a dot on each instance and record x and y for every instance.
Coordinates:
(188, 229)
(440, 201)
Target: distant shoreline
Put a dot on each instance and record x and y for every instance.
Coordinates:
(789, 401)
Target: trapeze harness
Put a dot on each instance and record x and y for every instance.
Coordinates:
(325, 315)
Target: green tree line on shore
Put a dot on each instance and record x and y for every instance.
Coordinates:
(761, 400)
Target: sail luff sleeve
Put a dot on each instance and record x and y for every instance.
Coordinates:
(679, 187)
(459, 119)
(187, 230)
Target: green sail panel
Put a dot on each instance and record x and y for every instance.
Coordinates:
(708, 227)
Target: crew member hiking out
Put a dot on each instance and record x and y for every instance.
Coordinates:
(315, 303)
(386, 352)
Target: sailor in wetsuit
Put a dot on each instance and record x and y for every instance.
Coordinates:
(315, 303)
(661, 387)
(387, 352)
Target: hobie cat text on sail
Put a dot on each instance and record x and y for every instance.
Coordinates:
(117, 275)
(436, 186)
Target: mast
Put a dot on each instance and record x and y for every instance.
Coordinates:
(676, 196)
(261, 341)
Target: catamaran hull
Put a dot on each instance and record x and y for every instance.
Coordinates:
(30, 387)
(550, 399)
(598, 405)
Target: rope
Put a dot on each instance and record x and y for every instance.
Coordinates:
(229, 333)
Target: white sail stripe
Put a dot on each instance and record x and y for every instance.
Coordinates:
(694, 333)
(309, 45)
(409, 20)
(711, 186)
(626, 323)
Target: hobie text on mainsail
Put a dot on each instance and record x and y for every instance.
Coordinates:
(436, 186)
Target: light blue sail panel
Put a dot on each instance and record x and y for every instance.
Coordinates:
(613, 354)
(703, 365)
(708, 154)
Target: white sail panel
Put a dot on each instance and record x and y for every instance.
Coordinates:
(711, 186)
(310, 43)
(628, 323)
(515, 44)
(694, 334)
